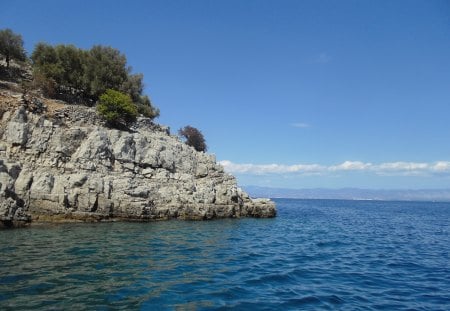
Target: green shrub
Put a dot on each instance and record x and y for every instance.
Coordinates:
(117, 108)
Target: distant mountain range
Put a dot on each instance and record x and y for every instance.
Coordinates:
(351, 194)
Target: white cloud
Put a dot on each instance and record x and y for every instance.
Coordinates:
(441, 167)
(261, 169)
(387, 168)
(351, 166)
(300, 125)
(403, 166)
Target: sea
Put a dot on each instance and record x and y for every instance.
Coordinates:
(315, 255)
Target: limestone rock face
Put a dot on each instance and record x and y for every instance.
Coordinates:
(67, 169)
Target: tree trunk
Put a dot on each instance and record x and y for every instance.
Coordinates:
(7, 60)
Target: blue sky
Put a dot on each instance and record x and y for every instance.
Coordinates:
(297, 94)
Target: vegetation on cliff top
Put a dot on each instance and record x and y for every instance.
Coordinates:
(76, 75)
(98, 76)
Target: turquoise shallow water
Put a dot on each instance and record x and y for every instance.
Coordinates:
(335, 255)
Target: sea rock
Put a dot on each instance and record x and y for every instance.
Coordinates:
(66, 167)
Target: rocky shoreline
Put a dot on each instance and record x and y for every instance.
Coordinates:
(65, 165)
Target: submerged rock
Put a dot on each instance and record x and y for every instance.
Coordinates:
(66, 169)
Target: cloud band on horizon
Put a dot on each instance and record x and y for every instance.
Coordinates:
(388, 168)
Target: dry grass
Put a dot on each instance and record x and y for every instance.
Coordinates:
(53, 105)
(9, 101)
(11, 98)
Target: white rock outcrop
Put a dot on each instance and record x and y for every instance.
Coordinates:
(70, 168)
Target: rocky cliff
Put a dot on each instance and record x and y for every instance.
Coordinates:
(65, 165)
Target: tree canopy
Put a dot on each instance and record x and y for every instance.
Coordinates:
(65, 70)
(11, 46)
(88, 72)
(106, 68)
(193, 137)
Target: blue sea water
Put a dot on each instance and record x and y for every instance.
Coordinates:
(316, 255)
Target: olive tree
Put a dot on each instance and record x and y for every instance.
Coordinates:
(11, 46)
(60, 66)
(106, 68)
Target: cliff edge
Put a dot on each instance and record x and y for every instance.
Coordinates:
(65, 165)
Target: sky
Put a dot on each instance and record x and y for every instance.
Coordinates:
(293, 94)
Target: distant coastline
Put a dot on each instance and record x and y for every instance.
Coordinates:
(438, 195)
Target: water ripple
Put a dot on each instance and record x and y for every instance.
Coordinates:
(328, 255)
